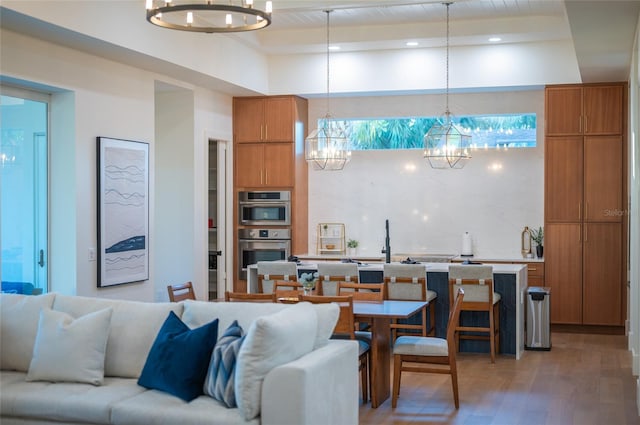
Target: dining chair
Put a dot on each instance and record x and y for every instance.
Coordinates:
(183, 291)
(373, 292)
(247, 297)
(329, 274)
(270, 271)
(344, 329)
(477, 282)
(287, 290)
(408, 282)
(425, 354)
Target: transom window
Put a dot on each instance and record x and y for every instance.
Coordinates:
(487, 131)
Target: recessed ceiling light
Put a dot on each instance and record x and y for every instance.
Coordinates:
(495, 39)
(334, 47)
(412, 43)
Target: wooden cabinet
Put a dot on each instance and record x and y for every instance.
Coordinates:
(589, 109)
(263, 119)
(584, 193)
(602, 274)
(263, 165)
(535, 274)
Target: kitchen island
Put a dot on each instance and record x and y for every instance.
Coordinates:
(510, 281)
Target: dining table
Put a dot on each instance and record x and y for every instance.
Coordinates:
(379, 314)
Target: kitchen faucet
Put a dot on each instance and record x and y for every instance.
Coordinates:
(387, 248)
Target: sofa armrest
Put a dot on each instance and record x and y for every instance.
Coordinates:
(318, 388)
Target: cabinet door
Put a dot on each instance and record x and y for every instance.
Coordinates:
(278, 164)
(603, 179)
(278, 119)
(563, 179)
(602, 303)
(563, 111)
(603, 109)
(249, 164)
(248, 116)
(563, 271)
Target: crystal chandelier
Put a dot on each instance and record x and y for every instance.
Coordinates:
(327, 147)
(208, 16)
(445, 146)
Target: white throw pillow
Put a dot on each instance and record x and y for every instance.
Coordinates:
(271, 341)
(19, 316)
(68, 349)
(327, 318)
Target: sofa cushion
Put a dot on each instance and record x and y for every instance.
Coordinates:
(62, 402)
(271, 341)
(68, 349)
(19, 317)
(197, 313)
(220, 383)
(158, 408)
(179, 358)
(134, 326)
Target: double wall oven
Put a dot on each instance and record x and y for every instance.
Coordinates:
(265, 235)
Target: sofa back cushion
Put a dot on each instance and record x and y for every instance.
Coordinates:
(19, 317)
(197, 313)
(134, 326)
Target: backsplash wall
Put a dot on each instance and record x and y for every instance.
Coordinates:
(492, 198)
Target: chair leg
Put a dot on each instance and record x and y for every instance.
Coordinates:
(454, 380)
(496, 316)
(394, 330)
(492, 335)
(425, 331)
(364, 380)
(397, 371)
(432, 321)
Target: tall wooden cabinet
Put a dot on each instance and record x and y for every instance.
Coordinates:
(268, 136)
(585, 190)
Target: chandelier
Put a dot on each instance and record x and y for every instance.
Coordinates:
(208, 15)
(327, 147)
(445, 146)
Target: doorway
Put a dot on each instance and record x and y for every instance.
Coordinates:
(217, 273)
(24, 183)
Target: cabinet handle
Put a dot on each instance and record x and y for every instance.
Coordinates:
(586, 211)
(580, 124)
(261, 181)
(532, 269)
(586, 123)
(266, 132)
(579, 211)
(261, 132)
(266, 176)
(586, 235)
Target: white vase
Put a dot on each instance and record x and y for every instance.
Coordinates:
(351, 252)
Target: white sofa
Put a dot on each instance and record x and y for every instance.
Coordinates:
(320, 387)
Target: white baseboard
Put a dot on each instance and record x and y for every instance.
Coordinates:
(626, 327)
(635, 362)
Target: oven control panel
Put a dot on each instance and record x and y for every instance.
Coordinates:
(258, 234)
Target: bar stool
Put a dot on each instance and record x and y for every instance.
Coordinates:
(271, 271)
(479, 295)
(329, 274)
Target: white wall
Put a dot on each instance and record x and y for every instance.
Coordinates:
(493, 197)
(97, 97)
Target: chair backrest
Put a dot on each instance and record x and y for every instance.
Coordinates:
(477, 282)
(362, 291)
(329, 274)
(454, 319)
(246, 297)
(405, 281)
(346, 323)
(270, 271)
(286, 289)
(181, 292)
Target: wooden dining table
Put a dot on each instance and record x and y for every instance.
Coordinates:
(379, 314)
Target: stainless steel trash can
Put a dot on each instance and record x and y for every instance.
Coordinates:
(538, 322)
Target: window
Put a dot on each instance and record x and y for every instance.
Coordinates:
(487, 131)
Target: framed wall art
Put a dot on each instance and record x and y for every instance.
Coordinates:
(123, 211)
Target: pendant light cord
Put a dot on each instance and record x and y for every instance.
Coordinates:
(328, 12)
(447, 112)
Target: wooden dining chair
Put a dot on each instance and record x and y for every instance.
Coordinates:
(247, 297)
(408, 282)
(330, 274)
(344, 329)
(362, 291)
(183, 291)
(477, 282)
(271, 271)
(425, 354)
(287, 290)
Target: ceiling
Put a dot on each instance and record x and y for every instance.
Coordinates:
(602, 32)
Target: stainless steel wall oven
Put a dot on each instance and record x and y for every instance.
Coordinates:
(264, 208)
(261, 245)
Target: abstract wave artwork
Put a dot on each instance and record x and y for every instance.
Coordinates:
(123, 211)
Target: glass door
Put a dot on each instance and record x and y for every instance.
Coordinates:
(24, 191)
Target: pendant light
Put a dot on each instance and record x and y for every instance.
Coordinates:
(327, 147)
(445, 146)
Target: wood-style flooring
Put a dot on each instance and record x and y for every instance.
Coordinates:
(585, 379)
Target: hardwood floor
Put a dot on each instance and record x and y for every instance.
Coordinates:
(584, 379)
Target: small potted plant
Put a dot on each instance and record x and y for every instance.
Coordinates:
(308, 281)
(538, 238)
(352, 244)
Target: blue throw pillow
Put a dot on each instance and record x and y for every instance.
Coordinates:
(179, 357)
(219, 383)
